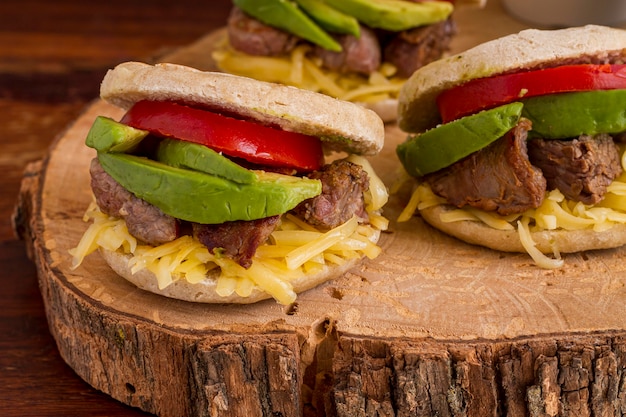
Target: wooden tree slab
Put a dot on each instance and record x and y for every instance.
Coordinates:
(433, 326)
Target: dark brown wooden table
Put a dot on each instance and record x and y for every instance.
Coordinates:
(53, 55)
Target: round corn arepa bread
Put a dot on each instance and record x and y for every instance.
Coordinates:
(565, 241)
(341, 125)
(526, 50)
(386, 109)
(205, 291)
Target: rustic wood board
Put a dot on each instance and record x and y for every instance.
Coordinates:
(433, 326)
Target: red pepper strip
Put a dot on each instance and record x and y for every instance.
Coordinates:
(253, 142)
(486, 93)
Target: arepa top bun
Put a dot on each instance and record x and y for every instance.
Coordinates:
(526, 50)
(341, 125)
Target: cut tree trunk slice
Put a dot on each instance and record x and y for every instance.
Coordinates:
(433, 326)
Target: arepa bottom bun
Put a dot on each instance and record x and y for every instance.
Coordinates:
(546, 241)
(205, 291)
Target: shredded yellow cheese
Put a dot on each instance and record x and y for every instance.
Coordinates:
(556, 212)
(294, 249)
(529, 245)
(300, 70)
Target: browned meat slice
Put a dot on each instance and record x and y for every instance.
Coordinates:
(144, 221)
(581, 168)
(414, 48)
(497, 178)
(360, 55)
(254, 37)
(237, 240)
(343, 184)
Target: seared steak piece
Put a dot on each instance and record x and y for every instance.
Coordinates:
(360, 55)
(414, 48)
(254, 37)
(497, 178)
(237, 240)
(144, 221)
(343, 184)
(580, 168)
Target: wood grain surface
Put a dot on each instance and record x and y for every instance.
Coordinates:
(424, 284)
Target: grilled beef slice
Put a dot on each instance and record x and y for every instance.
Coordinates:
(253, 37)
(581, 168)
(497, 178)
(360, 55)
(143, 220)
(414, 48)
(237, 240)
(343, 184)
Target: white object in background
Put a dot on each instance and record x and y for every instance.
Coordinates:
(565, 13)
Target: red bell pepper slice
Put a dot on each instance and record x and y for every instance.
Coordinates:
(253, 142)
(485, 93)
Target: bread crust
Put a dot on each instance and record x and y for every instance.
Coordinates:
(342, 126)
(528, 49)
(566, 241)
(204, 291)
(386, 109)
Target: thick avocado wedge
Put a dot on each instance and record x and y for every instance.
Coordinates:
(107, 135)
(189, 155)
(330, 18)
(569, 115)
(203, 198)
(394, 15)
(444, 145)
(285, 14)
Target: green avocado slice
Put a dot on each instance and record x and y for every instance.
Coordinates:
(286, 15)
(181, 154)
(569, 115)
(107, 135)
(330, 18)
(445, 144)
(394, 15)
(203, 198)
